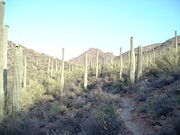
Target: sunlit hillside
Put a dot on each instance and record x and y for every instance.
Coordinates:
(136, 92)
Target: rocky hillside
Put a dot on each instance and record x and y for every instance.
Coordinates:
(35, 60)
(92, 56)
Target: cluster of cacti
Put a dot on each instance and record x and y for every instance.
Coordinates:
(62, 72)
(85, 72)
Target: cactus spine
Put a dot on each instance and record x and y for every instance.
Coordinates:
(86, 72)
(132, 63)
(121, 64)
(25, 72)
(18, 72)
(139, 63)
(62, 72)
(176, 44)
(97, 62)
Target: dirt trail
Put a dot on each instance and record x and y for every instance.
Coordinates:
(126, 114)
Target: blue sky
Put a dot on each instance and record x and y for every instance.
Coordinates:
(76, 25)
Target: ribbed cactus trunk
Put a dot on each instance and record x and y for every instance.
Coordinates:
(132, 63)
(2, 7)
(154, 56)
(97, 64)
(18, 74)
(147, 60)
(62, 72)
(3, 61)
(25, 73)
(139, 63)
(1, 76)
(49, 66)
(52, 67)
(85, 72)
(121, 64)
(37, 62)
(56, 65)
(176, 41)
(5, 72)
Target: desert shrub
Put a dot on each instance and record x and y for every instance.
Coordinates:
(163, 80)
(169, 62)
(103, 120)
(167, 131)
(12, 124)
(177, 125)
(177, 99)
(160, 105)
(57, 108)
(99, 96)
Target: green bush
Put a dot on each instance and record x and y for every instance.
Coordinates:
(103, 120)
(159, 106)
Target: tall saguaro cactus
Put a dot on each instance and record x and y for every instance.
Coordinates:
(176, 44)
(25, 72)
(86, 72)
(139, 63)
(121, 64)
(52, 67)
(1, 75)
(3, 62)
(2, 7)
(132, 62)
(18, 74)
(62, 72)
(97, 63)
(49, 66)
(56, 65)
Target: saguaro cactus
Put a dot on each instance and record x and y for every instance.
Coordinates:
(176, 44)
(25, 72)
(52, 67)
(121, 64)
(37, 62)
(1, 75)
(132, 63)
(2, 58)
(56, 65)
(62, 72)
(2, 6)
(86, 72)
(139, 63)
(97, 63)
(18, 73)
(154, 56)
(49, 66)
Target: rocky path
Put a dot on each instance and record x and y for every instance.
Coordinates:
(126, 115)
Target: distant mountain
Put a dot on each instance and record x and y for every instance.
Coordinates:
(92, 56)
